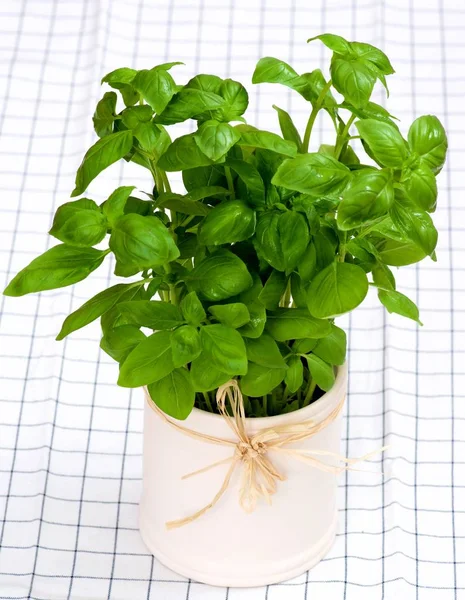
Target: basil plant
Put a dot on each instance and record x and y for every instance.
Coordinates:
(243, 274)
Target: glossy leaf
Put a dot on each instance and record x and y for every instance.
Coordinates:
(368, 197)
(225, 348)
(101, 155)
(421, 187)
(183, 154)
(215, 139)
(415, 224)
(294, 377)
(261, 380)
(58, 267)
(150, 361)
(233, 315)
(192, 309)
(314, 174)
(219, 276)
(252, 180)
(93, 308)
(337, 289)
(385, 141)
(428, 139)
(156, 86)
(228, 222)
(142, 242)
(121, 341)
(268, 141)
(332, 348)
(153, 314)
(113, 208)
(188, 103)
(206, 376)
(174, 394)
(104, 115)
(395, 302)
(288, 129)
(294, 323)
(321, 372)
(264, 351)
(79, 223)
(185, 345)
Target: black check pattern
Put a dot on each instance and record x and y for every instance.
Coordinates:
(71, 440)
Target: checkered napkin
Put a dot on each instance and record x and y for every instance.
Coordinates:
(71, 440)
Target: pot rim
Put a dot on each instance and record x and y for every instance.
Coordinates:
(307, 412)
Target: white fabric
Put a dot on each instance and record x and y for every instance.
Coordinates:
(70, 439)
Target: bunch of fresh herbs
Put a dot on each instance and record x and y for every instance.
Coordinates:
(266, 246)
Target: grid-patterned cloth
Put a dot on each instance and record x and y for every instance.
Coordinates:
(70, 439)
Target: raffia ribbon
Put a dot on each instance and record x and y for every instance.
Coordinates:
(259, 476)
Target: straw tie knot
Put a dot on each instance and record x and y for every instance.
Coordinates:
(250, 450)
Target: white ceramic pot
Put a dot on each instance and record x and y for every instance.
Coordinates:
(227, 546)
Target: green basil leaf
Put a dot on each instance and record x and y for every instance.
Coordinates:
(428, 139)
(261, 380)
(264, 351)
(383, 277)
(113, 207)
(142, 242)
(219, 276)
(395, 302)
(421, 187)
(79, 223)
(112, 318)
(353, 79)
(370, 111)
(215, 139)
(288, 129)
(207, 83)
(150, 361)
(93, 308)
(332, 348)
(229, 222)
(212, 175)
(233, 315)
(121, 79)
(338, 289)
(385, 141)
(336, 43)
(267, 140)
(123, 75)
(254, 328)
(104, 115)
(294, 323)
(321, 372)
(225, 348)
(120, 342)
(206, 192)
(180, 204)
(368, 197)
(189, 103)
(316, 83)
(156, 87)
(304, 346)
(282, 238)
(399, 253)
(135, 115)
(369, 54)
(101, 155)
(236, 100)
(153, 314)
(273, 289)
(273, 70)
(185, 345)
(314, 174)
(183, 154)
(192, 309)
(206, 376)
(58, 267)
(252, 180)
(414, 224)
(174, 394)
(295, 374)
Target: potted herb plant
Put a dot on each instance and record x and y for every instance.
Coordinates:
(231, 288)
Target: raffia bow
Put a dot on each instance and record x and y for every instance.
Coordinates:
(259, 476)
